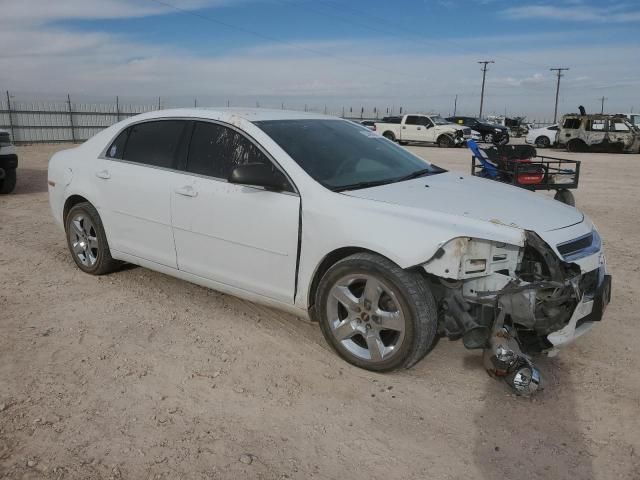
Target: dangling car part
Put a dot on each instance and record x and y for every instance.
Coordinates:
(519, 302)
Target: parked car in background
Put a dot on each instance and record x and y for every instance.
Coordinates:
(8, 163)
(370, 124)
(598, 132)
(491, 133)
(418, 128)
(323, 218)
(543, 137)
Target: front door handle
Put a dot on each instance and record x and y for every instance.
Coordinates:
(103, 174)
(419, 128)
(187, 191)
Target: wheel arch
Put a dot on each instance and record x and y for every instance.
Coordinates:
(325, 264)
(389, 134)
(70, 202)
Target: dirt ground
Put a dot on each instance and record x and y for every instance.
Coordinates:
(139, 375)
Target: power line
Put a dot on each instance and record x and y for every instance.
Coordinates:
(416, 35)
(484, 64)
(273, 39)
(560, 75)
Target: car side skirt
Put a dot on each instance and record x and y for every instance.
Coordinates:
(205, 282)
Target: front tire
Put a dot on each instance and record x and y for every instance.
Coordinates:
(8, 183)
(445, 141)
(389, 136)
(576, 145)
(374, 314)
(542, 142)
(488, 138)
(87, 241)
(565, 196)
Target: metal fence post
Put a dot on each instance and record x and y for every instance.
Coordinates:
(73, 133)
(117, 109)
(13, 137)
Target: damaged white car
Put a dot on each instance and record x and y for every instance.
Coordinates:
(326, 219)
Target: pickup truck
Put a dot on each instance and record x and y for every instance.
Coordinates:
(8, 163)
(423, 129)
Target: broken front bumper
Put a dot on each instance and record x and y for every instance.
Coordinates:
(588, 311)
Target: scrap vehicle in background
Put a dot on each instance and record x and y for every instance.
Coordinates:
(418, 128)
(370, 124)
(580, 132)
(491, 133)
(516, 125)
(543, 137)
(8, 163)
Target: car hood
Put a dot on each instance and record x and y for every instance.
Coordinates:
(476, 198)
(494, 125)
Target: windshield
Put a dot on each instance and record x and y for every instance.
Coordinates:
(344, 156)
(438, 120)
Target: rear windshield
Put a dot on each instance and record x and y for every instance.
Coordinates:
(342, 155)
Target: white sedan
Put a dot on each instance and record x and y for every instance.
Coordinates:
(543, 137)
(326, 219)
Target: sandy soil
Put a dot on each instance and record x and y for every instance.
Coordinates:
(139, 375)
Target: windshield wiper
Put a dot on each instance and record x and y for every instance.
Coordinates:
(419, 173)
(359, 185)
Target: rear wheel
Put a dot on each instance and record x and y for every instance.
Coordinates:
(389, 135)
(542, 141)
(576, 145)
(374, 314)
(8, 183)
(87, 241)
(565, 196)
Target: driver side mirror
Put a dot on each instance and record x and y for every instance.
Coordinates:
(259, 175)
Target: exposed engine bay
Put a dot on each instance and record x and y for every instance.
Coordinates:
(515, 303)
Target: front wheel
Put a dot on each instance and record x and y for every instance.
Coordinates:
(445, 141)
(389, 136)
(542, 141)
(488, 138)
(8, 183)
(374, 314)
(87, 241)
(576, 145)
(565, 196)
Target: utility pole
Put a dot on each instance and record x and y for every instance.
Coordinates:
(602, 104)
(484, 64)
(455, 105)
(560, 75)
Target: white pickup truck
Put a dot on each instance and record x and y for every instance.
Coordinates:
(423, 129)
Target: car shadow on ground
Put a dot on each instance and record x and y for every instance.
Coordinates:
(31, 180)
(537, 437)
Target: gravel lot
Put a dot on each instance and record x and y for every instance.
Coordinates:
(139, 375)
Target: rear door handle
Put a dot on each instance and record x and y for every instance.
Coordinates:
(103, 174)
(187, 191)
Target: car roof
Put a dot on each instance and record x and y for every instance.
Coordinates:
(229, 114)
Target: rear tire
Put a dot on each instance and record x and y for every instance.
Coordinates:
(87, 240)
(543, 142)
(444, 141)
(8, 183)
(565, 196)
(374, 314)
(389, 136)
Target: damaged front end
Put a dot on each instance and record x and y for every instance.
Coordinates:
(516, 302)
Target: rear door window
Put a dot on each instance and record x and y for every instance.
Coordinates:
(618, 125)
(155, 143)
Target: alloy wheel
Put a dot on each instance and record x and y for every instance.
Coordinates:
(83, 239)
(365, 317)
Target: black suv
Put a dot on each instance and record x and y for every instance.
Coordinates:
(490, 133)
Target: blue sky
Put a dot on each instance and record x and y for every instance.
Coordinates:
(418, 54)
